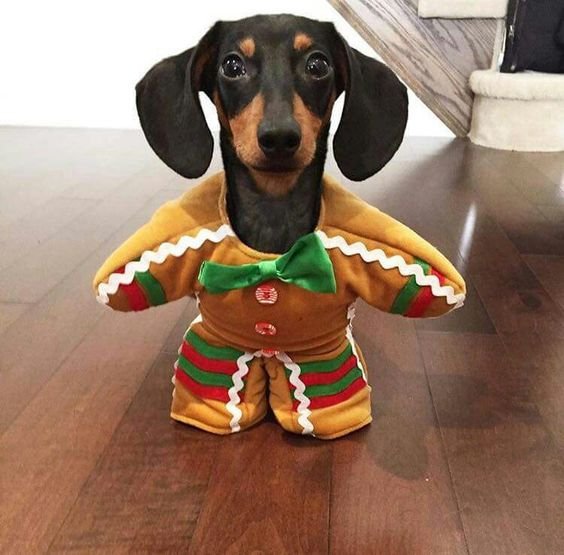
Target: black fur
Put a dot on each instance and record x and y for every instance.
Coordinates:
(266, 223)
(374, 117)
(370, 131)
(170, 112)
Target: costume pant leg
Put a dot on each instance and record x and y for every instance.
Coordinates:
(326, 396)
(217, 388)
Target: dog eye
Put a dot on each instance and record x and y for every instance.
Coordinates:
(233, 66)
(317, 65)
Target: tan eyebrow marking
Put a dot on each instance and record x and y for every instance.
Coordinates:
(244, 128)
(302, 41)
(247, 47)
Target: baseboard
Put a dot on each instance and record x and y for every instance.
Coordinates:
(462, 9)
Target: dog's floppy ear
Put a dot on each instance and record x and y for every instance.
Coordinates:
(170, 112)
(374, 114)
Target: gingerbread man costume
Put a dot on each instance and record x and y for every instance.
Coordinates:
(276, 329)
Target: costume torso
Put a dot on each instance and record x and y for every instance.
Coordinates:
(297, 339)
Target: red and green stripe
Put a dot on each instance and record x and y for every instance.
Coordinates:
(154, 293)
(206, 370)
(424, 299)
(208, 392)
(326, 365)
(330, 382)
(323, 378)
(144, 291)
(412, 301)
(228, 367)
(211, 351)
(336, 398)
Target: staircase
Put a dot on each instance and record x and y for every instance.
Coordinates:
(434, 57)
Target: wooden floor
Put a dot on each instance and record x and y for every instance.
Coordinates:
(466, 452)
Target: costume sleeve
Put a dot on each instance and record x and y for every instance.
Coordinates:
(159, 263)
(394, 269)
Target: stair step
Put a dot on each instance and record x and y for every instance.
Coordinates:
(434, 58)
(462, 9)
(526, 85)
(518, 111)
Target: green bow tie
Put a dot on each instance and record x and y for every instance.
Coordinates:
(306, 265)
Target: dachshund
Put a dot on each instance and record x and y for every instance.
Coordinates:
(281, 324)
(273, 80)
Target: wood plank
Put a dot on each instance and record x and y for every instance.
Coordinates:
(21, 236)
(117, 507)
(57, 324)
(507, 470)
(49, 451)
(153, 176)
(550, 164)
(146, 492)
(9, 313)
(29, 154)
(391, 486)
(64, 161)
(464, 454)
(552, 212)
(549, 270)
(532, 180)
(518, 304)
(495, 187)
(531, 326)
(268, 493)
(434, 57)
(510, 386)
(525, 225)
(29, 279)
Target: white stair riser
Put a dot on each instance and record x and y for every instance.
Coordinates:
(523, 125)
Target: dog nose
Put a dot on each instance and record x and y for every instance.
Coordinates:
(281, 140)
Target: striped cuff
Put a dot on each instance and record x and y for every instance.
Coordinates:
(330, 382)
(144, 291)
(413, 300)
(207, 370)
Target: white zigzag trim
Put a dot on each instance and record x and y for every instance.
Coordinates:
(159, 256)
(234, 399)
(349, 334)
(390, 262)
(238, 384)
(303, 410)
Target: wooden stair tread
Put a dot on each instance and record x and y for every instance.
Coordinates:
(434, 58)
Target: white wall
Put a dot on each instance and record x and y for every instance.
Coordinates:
(75, 63)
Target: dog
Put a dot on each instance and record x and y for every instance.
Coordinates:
(273, 80)
(275, 251)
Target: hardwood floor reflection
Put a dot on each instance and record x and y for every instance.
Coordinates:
(465, 453)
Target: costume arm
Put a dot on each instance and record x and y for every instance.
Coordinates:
(159, 263)
(394, 269)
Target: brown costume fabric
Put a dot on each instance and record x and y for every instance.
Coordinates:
(309, 326)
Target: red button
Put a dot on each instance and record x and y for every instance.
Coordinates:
(270, 352)
(266, 294)
(264, 328)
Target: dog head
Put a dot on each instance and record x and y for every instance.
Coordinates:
(273, 80)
